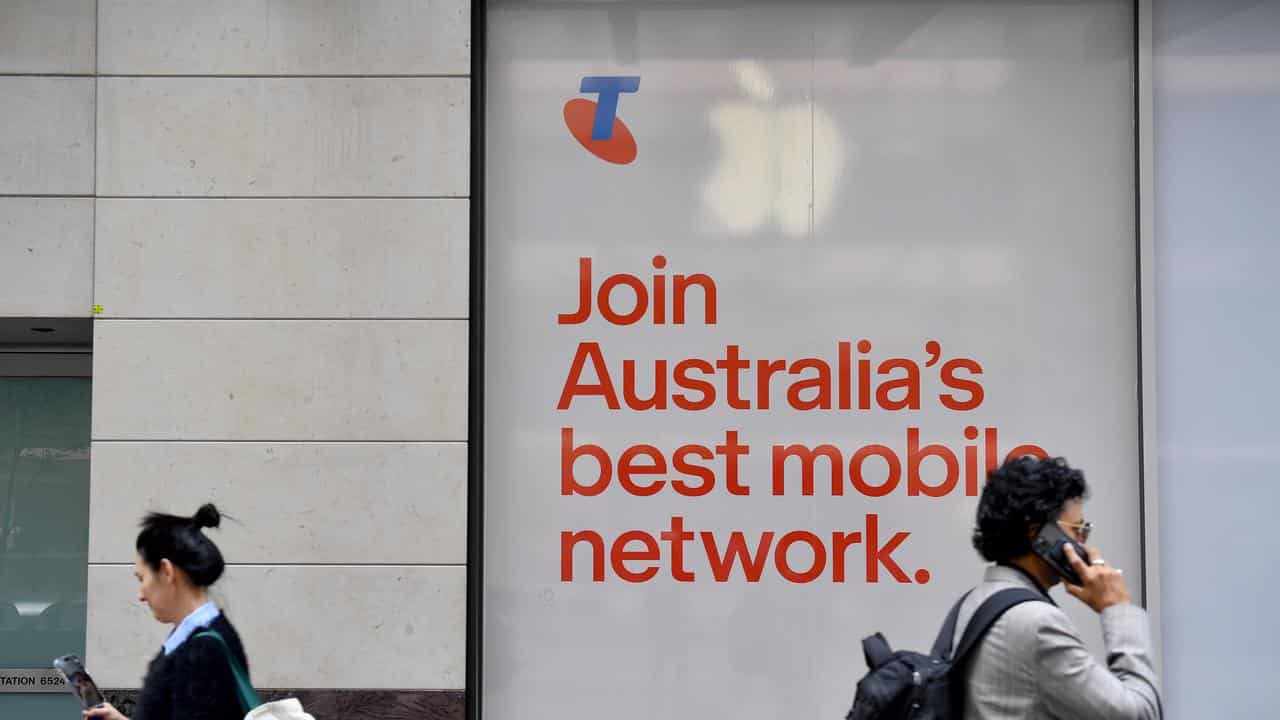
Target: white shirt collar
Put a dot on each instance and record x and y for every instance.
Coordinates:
(199, 618)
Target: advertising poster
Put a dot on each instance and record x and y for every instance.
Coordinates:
(769, 287)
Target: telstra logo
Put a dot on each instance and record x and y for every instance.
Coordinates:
(596, 124)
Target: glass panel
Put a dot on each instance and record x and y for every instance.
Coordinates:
(1217, 107)
(904, 187)
(44, 531)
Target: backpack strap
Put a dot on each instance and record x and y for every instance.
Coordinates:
(245, 693)
(942, 645)
(987, 614)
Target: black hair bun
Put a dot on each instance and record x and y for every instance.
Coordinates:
(207, 516)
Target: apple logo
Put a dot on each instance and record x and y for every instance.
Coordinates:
(766, 170)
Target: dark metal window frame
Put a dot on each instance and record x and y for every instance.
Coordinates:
(46, 363)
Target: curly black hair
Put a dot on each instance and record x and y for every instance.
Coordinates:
(1022, 494)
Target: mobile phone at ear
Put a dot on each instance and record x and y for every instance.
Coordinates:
(1049, 544)
(78, 681)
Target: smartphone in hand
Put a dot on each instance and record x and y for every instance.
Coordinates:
(1050, 544)
(78, 681)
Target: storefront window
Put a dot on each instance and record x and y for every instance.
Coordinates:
(44, 521)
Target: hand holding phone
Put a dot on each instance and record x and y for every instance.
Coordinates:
(78, 681)
(105, 711)
(1101, 586)
(1050, 544)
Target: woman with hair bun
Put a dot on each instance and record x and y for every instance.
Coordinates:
(191, 678)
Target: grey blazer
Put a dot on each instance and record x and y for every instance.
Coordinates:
(1032, 664)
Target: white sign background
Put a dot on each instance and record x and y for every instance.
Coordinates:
(897, 173)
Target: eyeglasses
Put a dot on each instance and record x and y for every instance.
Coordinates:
(1083, 529)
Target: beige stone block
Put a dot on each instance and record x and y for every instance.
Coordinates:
(284, 137)
(345, 380)
(46, 257)
(286, 37)
(47, 36)
(383, 627)
(46, 136)
(295, 258)
(386, 503)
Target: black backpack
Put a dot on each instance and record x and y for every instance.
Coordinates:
(906, 685)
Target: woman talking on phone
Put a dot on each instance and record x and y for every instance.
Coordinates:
(191, 678)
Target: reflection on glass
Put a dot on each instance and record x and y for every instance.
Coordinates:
(44, 521)
(767, 171)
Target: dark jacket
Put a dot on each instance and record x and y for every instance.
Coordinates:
(195, 682)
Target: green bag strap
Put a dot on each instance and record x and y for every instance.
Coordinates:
(244, 691)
